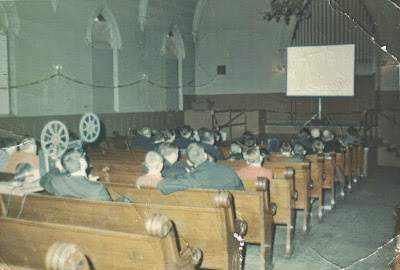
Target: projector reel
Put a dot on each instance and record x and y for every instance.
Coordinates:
(54, 139)
(89, 127)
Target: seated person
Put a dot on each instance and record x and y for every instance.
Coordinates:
(318, 146)
(172, 167)
(254, 160)
(26, 154)
(158, 140)
(206, 175)
(169, 135)
(184, 140)
(315, 134)
(9, 148)
(248, 140)
(207, 141)
(299, 153)
(274, 144)
(26, 180)
(235, 152)
(304, 139)
(286, 149)
(74, 182)
(352, 136)
(143, 137)
(154, 164)
(331, 143)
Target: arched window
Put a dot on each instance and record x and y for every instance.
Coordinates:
(104, 39)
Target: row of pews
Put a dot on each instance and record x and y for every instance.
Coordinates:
(183, 230)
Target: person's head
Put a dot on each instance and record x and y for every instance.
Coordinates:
(304, 133)
(252, 156)
(273, 144)
(186, 131)
(169, 135)
(170, 152)
(315, 133)
(207, 137)
(286, 147)
(146, 132)
(28, 144)
(158, 136)
(74, 162)
(250, 142)
(196, 154)
(153, 162)
(201, 131)
(246, 135)
(10, 145)
(318, 146)
(299, 149)
(328, 135)
(235, 148)
(196, 136)
(352, 131)
(25, 172)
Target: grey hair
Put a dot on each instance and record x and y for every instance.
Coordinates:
(252, 155)
(167, 149)
(152, 159)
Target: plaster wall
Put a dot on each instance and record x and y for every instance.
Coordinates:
(252, 49)
(51, 35)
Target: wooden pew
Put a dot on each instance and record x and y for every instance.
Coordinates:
(348, 156)
(329, 175)
(193, 215)
(302, 182)
(259, 219)
(25, 243)
(317, 177)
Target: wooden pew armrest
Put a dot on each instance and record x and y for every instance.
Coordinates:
(192, 254)
(295, 195)
(241, 227)
(272, 209)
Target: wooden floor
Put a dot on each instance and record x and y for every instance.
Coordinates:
(357, 235)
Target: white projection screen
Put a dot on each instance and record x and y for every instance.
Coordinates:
(320, 71)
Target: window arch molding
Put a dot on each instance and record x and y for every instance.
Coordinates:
(116, 42)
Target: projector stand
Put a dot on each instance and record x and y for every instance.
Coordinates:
(320, 121)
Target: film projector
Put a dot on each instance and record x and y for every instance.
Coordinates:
(55, 139)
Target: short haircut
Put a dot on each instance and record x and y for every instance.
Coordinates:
(315, 133)
(304, 132)
(22, 171)
(168, 134)
(152, 159)
(71, 161)
(145, 131)
(298, 149)
(26, 142)
(167, 149)
(250, 142)
(247, 134)
(185, 130)
(252, 155)
(286, 147)
(318, 146)
(207, 136)
(235, 148)
(158, 135)
(327, 135)
(201, 130)
(195, 153)
(9, 142)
